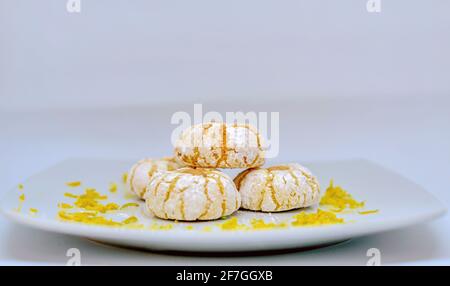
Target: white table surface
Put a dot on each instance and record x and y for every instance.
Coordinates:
(406, 134)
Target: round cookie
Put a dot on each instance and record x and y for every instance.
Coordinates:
(220, 145)
(277, 188)
(140, 173)
(192, 194)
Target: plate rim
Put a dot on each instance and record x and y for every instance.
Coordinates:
(169, 239)
(239, 240)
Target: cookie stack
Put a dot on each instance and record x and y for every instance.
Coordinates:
(189, 187)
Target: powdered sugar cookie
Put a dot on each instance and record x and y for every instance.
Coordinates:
(140, 174)
(192, 194)
(220, 145)
(277, 188)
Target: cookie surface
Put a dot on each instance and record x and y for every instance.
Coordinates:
(277, 188)
(192, 194)
(220, 145)
(140, 173)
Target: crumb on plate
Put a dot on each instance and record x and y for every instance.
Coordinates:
(73, 184)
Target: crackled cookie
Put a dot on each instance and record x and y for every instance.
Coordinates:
(140, 174)
(220, 145)
(277, 188)
(192, 194)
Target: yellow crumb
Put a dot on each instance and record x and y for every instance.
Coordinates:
(127, 205)
(20, 186)
(338, 198)
(69, 195)
(89, 200)
(113, 187)
(94, 219)
(319, 218)
(155, 226)
(33, 211)
(261, 224)
(64, 206)
(73, 184)
(21, 200)
(87, 218)
(124, 177)
(368, 212)
(232, 224)
(130, 220)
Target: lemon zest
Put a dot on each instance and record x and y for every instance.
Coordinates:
(21, 200)
(127, 205)
(130, 220)
(232, 224)
(73, 184)
(64, 206)
(90, 201)
(124, 178)
(156, 226)
(113, 187)
(92, 218)
(337, 197)
(368, 212)
(69, 195)
(261, 224)
(321, 217)
(87, 218)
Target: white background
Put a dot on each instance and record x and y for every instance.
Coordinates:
(117, 53)
(347, 84)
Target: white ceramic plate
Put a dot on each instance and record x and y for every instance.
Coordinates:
(400, 202)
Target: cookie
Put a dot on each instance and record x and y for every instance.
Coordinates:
(189, 194)
(277, 188)
(220, 145)
(140, 174)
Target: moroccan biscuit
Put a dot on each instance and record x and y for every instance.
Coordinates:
(140, 173)
(220, 145)
(189, 194)
(277, 188)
